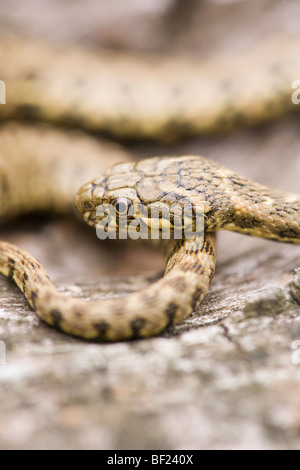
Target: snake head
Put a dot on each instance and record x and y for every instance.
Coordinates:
(110, 197)
(138, 198)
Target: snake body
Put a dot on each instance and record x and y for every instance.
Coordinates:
(108, 95)
(229, 201)
(130, 96)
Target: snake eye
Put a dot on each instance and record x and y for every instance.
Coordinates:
(121, 205)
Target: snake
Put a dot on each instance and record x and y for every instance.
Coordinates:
(133, 96)
(38, 177)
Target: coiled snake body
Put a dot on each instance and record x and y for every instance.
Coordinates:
(136, 97)
(229, 201)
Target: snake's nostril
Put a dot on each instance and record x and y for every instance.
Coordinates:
(88, 205)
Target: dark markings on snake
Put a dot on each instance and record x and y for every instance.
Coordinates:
(196, 296)
(171, 312)
(29, 111)
(56, 317)
(137, 325)
(11, 263)
(102, 328)
(33, 297)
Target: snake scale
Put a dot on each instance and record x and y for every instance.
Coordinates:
(108, 94)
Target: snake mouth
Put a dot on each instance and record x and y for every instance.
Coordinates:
(87, 200)
(153, 221)
(140, 227)
(105, 219)
(89, 219)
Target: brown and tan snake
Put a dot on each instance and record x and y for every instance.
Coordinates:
(135, 97)
(109, 95)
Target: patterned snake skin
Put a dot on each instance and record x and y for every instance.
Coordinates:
(108, 94)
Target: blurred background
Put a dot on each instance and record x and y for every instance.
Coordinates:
(218, 380)
(187, 27)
